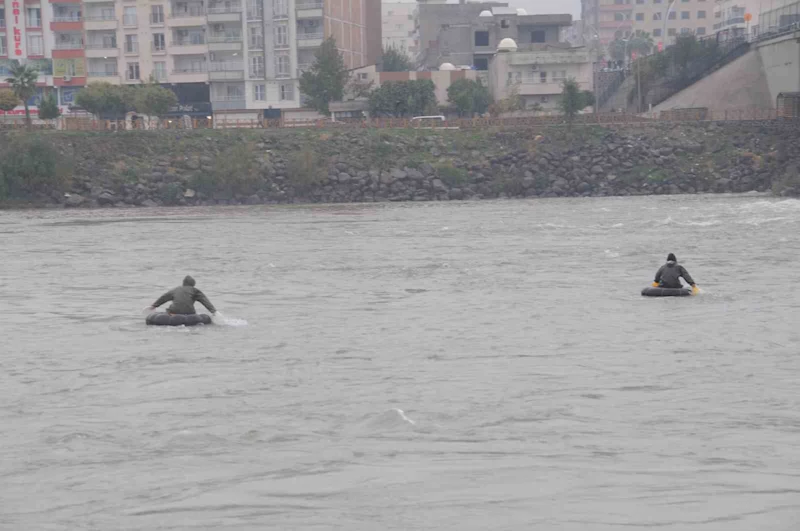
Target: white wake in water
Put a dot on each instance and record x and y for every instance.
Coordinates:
(219, 319)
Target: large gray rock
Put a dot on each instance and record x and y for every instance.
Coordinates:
(344, 177)
(106, 198)
(398, 174)
(74, 200)
(149, 203)
(438, 185)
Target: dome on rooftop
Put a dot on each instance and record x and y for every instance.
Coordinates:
(507, 45)
(521, 11)
(447, 66)
(486, 14)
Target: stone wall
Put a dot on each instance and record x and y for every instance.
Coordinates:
(264, 167)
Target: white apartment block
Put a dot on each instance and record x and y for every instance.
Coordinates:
(400, 21)
(225, 55)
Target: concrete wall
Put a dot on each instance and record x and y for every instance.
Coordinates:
(780, 58)
(740, 84)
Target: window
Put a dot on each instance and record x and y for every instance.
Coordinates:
(656, 16)
(280, 8)
(255, 10)
(538, 36)
(160, 70)
(109, 40)
(257, 66)
(234, 92)
(619, 17)
(131, 44)
(129, 16)
(159, 44)
(109, 69)
(673, 15)
(701, 14)
(657, 32)
(543, 77)
(639, 17)
(700, 31)
(559, 76)
(281, 36)
(260, 92)
(3, 51)
(671, 32)
(686, 31)
(481, 63)
(35, 45)
(133, 72)
(34, 17)
(685, 15)
(504, 24)
(286, 91)
(481, 38)
(157, 14)
(282, 65)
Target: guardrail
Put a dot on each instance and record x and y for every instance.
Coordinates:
(700, 116)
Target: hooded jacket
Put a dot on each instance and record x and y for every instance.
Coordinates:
(183, 299)
(669, 275)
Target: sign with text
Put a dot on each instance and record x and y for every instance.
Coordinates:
(15, 14)
(69, 67)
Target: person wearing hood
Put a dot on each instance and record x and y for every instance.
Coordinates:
(183, 299)
(669, 275)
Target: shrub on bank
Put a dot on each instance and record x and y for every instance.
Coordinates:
(235, 172)
(30, 166)
(305, 169)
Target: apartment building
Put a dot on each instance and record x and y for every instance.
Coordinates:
(401, 27)
(215, 54)
(663, 19)
(734, 18)
(467, 34)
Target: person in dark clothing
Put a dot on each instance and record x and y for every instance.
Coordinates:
(183, 299)
(669, 275)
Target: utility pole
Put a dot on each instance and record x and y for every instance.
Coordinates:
(639, 83)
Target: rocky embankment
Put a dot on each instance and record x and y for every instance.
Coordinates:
(265, 167)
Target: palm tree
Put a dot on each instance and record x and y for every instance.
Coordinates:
(23, 82)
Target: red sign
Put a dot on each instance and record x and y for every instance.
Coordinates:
(15, 10)
(633, 56)
(660, 46)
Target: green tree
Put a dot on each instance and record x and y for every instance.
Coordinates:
(511, 103)
(23, 80)
(48, 108)
(469, 97)
(395, 60)
(106, 99)
(8, 100)
(324, 82)
(685, 48)
(573, 100)
(403, 98)
(153, 100)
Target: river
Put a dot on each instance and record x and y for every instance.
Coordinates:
(437, 366)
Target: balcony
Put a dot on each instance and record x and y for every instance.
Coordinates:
(103, 76)
(225, 43)
(101, 50)
(229, 13)
(68, 45)
(306, 9)
(130, 21)
(100, 22)
(228, 103)
(66, 22)
(189, 46)
(226, 71)
(158, 49)
(192, 16)
(254, 15)
(190, 74)
(309, 40)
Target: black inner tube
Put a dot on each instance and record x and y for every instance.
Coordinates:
(666, 292)
(166, 319)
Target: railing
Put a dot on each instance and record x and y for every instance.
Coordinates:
(190, 70)
(309, 36)
(225, 38)
(158, 48)
(101, 46)
(222, 10)
(67, 18)
(132, 47)
(757, 117)
(227, 98)
(258, 73)
(225, 66)
(199, 41)
(74, 45)
(160, 76)
(132, 76)
(255, 14)
(193, 11)
(309, 4)
(304, 67)
(156, 18)
(129, 20)
(101, 18)
(30, 23)
(102, 74)
(256, 43)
